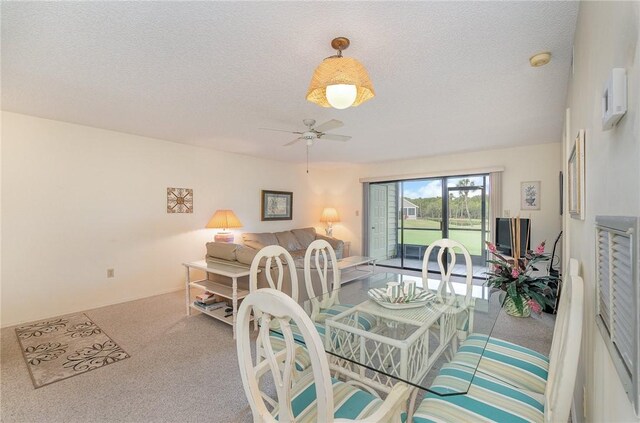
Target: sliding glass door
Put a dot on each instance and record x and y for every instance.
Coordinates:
(467, 218)
(405, 217)
(420, 220)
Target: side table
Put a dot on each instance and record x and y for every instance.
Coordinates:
(218, 288)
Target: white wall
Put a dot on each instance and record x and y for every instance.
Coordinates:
(540, 162)
(78, 200)
(344, 192)
(607, 36)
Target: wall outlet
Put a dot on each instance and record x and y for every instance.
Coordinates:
(110, 273)
(507, 213)
(357, 213)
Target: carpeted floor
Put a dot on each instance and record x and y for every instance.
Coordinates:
(181, 369)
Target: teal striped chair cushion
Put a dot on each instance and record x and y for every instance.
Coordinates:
(349, 401)
(488, 400)
(365, 320)
(302, 359)
(511, 363)
(297, 336)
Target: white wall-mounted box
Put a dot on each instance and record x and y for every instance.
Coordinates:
(614, 98)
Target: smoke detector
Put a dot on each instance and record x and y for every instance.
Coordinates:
(540, 59)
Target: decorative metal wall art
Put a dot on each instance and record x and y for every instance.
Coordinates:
(179, 200)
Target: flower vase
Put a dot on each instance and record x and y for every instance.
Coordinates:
(512, 310)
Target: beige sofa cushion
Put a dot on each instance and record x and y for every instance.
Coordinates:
(245, 255)
(305, 236)
(222, 250)
(288, 241)
(259, 241)
(298, 254)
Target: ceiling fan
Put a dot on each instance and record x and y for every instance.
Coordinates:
(314, 133)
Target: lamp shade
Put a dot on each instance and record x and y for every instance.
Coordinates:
(224, 219)
(338, 70)
(329, 215)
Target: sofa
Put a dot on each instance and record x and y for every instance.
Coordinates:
(295, 241)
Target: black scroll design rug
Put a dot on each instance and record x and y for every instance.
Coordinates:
(59, 348)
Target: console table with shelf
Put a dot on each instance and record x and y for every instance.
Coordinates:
(352, 268)
(230, 292)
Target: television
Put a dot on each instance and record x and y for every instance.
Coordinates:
(503, 236)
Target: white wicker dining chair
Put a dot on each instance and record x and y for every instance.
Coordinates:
(464, 321)
(491, 398)
(523, 368)
(270, 258)
(321, 264)
(314, 396)
(274, 261)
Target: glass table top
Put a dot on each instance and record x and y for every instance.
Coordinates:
(380, 341)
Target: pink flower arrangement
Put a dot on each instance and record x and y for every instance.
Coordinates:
(516, 278)
(534, 306)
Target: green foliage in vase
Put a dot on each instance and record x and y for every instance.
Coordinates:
(514, 276)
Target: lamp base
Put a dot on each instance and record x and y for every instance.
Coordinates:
(329, 231)
(224, 237)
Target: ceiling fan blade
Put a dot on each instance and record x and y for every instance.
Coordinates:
(329, 125)
(292, 142)
(281, 130)
(335, 137)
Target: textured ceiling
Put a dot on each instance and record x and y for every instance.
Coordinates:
(449, 77)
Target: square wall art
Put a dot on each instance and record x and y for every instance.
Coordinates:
(179, 200)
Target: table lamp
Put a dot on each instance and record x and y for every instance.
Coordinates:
(224, 219)
(329, 216)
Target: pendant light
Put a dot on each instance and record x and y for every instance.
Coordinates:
(340, 82)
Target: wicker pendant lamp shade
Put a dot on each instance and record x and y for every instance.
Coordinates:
(338, 70)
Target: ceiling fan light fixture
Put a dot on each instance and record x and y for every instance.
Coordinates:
(340, 71)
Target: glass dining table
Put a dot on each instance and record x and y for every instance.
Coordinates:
(376, 342)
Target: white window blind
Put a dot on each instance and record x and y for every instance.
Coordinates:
(617, 292)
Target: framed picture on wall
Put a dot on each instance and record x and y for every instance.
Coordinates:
(530, 195)
(576, 178)
(277, 205)
(561, 193)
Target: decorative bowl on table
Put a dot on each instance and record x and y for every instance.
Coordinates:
(418, 299)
